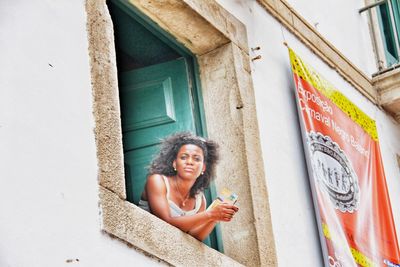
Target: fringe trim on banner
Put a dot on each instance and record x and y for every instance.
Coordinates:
(308, 74)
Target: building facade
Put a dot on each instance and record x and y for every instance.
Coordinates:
(65, 195)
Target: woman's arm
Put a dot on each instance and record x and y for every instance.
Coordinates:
(156, 195)
(202, 231)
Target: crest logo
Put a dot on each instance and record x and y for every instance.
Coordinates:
(333, 172)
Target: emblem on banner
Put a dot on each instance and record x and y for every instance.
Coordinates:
(334, 173)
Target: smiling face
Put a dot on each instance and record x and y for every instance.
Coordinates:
(189, 162)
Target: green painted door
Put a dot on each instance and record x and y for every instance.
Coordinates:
(155, 102)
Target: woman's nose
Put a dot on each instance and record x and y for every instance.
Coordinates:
(189, 161)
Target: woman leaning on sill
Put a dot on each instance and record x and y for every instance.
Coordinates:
(175, 186)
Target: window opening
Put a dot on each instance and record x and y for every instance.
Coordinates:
(142, 51)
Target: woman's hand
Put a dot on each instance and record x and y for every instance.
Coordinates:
(223, 212)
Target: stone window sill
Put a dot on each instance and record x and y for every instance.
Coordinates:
(128, 222)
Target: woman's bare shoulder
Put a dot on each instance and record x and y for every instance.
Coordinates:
(155, 182)
(155, 177)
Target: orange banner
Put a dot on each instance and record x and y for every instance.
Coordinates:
(346, 174)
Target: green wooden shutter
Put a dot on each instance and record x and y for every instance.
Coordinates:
(155, 103)
(388, 31)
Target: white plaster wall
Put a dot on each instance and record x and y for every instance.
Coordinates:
(297, 241)
(48, 169)
(48, 172)
(340, 22)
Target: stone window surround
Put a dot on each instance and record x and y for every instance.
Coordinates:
(219, 42)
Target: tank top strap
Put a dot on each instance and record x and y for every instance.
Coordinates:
(199, 200)
(166, 185)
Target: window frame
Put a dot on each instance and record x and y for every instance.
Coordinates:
(214, 240)
(219, 43)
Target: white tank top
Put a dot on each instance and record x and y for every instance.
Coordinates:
(175, 210)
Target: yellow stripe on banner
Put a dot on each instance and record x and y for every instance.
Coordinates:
(308, 74)
(361, 259)
(358, 257)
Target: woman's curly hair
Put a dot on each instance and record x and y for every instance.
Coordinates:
(162, 163)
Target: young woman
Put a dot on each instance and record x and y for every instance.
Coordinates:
(176, 181)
